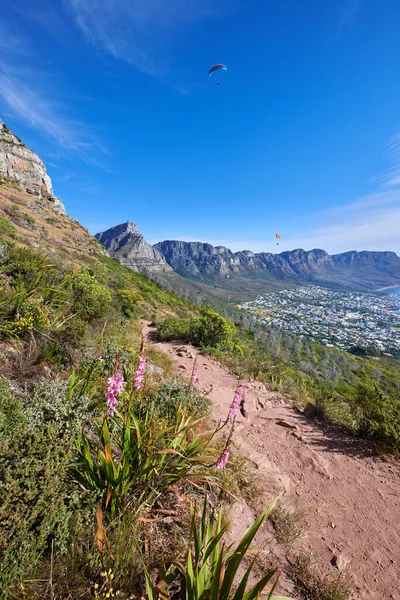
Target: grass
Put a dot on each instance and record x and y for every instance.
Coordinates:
(6, 226)
(313, 585)
(161, 359)
(240, 478)
(287, 524)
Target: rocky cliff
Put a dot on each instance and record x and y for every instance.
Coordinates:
(125, 243)
(197, 259)
(209, 264)
(24, 168)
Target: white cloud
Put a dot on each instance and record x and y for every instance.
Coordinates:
(32, 96)
(371, 230)
(391, 178)
(369, 223)
(35, 110)
(139, 31)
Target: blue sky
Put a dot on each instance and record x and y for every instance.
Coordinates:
(302, 136)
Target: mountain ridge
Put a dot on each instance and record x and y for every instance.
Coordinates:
(203, 262)
(125, 243)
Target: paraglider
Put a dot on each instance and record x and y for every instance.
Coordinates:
(278, 237)
(217, 67)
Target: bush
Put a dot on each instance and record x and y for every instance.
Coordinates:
(172, 396)
(215, 330)
(376, 414)
(171, 328)
(91, 300)
(31, 313)
(35, 501)
(128, 301)
(45, 402)
(210, 330)
(6, 226)
(33, 297)
(38, 502)
(12, 414)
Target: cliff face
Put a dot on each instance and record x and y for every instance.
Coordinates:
(23, 167)
(364, 270)
(125, 243)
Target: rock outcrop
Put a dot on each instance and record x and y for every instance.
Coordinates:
(209, 264)
(23, 167)
(197, 259)
(125, 243)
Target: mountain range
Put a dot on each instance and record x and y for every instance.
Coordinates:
(245, 273)
(193, 269)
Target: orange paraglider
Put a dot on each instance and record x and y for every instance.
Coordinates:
(278, 237)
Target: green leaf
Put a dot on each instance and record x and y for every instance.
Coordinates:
(258, 588)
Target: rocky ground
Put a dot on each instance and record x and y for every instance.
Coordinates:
(350, 498)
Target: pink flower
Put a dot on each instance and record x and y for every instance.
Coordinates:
(234, 407)
(195, 376)
(115, 388)
(6, 278)
(140, 373)
(223, 459)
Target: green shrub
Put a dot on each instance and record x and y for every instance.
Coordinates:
(12, 414)
(31, 313)
(38, 501)
(34, 299)
(172, 328)
(45, 402)
(91, 300)
(214, 330)
(28, 265)
(131, 460)
(6, 226)
(128, 302)
(60, 349)
(35, 502)
(376, 414)
(172, 396)
(210, 330)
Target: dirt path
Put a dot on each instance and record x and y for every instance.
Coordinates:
(352, 499)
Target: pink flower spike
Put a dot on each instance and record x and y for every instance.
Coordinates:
(234, 407)
(140, 372)
(195, 376)
(223, 459)
(115, 388)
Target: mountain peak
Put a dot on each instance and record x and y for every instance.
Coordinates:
(125, 243)
(24, 168)
(131, 227)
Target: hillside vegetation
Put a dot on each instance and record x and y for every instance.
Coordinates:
(107, 473)
(110, 480)
(362, 395)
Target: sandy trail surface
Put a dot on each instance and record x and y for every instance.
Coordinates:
(351, 498)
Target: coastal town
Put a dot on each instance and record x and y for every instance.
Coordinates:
(338, 319)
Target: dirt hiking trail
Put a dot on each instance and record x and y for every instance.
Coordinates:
(351, 498)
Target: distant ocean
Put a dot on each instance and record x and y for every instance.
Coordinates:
(395, 291)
